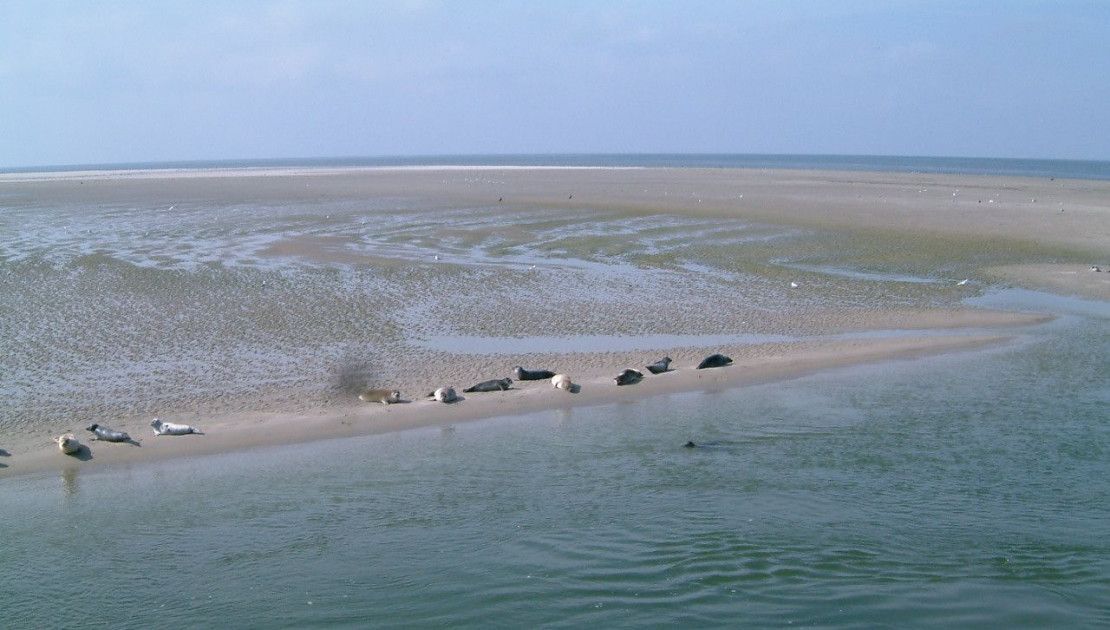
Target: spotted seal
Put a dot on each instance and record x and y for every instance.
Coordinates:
(629, 377)
(384, 396)
(495, 385)
(106, 434)
(713, 361)
(522, 374)
(169, 428)
(660, 366)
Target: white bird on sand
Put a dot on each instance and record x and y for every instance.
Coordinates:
(793, 285)
(963, 282)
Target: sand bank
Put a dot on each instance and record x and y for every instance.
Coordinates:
(228, 298)
(1039, 211)
(251, 430)
(1077, 280)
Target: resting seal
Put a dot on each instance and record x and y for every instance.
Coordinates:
(522, 374)
(714, 360)
(445, 395)
(383, 396)
(660, 366)
(108, 435)
(629, 377)
(169, 428)
(495, 385)
(562, 381)
(68, 444)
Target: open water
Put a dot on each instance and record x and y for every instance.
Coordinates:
(969, 490)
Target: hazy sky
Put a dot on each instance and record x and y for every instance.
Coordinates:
(90, 82)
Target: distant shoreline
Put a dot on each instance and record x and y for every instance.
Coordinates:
(1004, 167)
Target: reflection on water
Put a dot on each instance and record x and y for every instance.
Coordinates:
(69, 481)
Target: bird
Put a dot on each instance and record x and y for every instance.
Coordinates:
(793, 285)
(963, 282)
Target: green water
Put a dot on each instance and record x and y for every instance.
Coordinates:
(966, 490)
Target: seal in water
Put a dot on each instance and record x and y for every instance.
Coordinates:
(714, 360)
(522, 374)
(495, 385)
(108, 435)
(169, 428)
(562, 381)
(660, 366)
(445, 395)
(629, 377)
(383, 396)
(68, 444)
(690, 444)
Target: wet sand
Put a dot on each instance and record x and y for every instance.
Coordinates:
(940, 227)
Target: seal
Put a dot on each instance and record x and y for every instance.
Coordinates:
(383, 396)
(108, 435)
(495, 385)
(169, 428)
(562, 381)
(445, 395)
(522, 374)
(690, 444)
(660, 366)
(629, 377)
(68, 444)
(714, 360)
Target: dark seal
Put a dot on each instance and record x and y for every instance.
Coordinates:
(714, 360)
(495, 385)
(629, 377)
(660, 366)
(522, 374)
(108, 435)
(690, 444)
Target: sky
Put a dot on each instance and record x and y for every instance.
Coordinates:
(108, 82)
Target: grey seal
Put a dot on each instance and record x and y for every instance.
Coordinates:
(660, 366)
(106, 434)
(495, 385)
(384, 396)
(714, 360)
(629, 377)
(169, 428)
(522, 374)
(690, 444)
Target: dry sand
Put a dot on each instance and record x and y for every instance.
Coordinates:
(1036, 218)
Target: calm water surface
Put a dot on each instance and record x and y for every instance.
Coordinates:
(968, 490)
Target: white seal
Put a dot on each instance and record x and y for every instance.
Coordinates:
(562, 381)
(169, 428)
(446, 395)
(68, 444)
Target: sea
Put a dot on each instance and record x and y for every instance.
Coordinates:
(1021, 167)
(970, 489)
